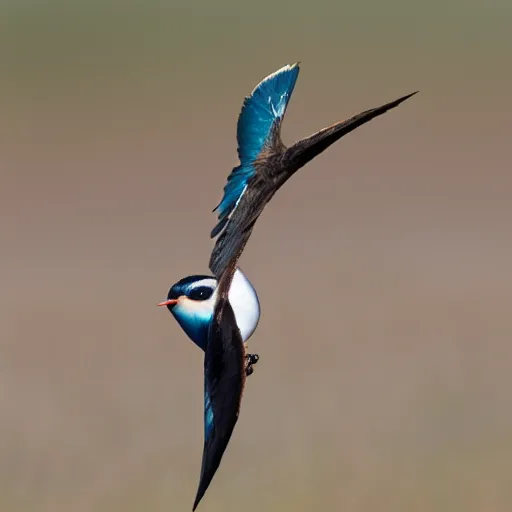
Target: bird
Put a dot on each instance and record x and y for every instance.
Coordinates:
(219, 313)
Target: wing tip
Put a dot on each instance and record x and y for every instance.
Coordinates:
(281, 70)
(392, 104)
(407, 96)
(199, 497)
(204, 483)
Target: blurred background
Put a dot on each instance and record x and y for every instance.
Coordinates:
(383, 268)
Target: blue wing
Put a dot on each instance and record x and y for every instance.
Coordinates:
(258, 125)
(208, 415)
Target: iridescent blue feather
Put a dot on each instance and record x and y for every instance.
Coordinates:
(208, 415)
(261, 111)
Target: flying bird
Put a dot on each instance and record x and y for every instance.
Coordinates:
(220, 312)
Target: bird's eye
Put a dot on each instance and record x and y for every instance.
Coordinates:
(200, 293)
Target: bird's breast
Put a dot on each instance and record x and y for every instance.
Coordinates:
(245, 304)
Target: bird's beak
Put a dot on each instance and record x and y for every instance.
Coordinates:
(169, 302)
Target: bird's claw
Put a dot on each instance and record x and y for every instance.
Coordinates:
(250, 359)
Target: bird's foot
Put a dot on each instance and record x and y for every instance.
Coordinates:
(250, 360)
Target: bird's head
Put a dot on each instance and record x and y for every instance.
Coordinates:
(191, 301)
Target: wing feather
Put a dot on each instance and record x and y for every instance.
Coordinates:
(224, 380)
(258, 130)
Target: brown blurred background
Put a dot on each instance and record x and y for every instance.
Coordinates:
(383, 268)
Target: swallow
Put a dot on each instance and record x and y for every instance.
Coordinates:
(220, 312)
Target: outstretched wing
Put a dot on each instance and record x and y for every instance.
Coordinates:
(272, 171)
(258, 131)
(224, 380)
